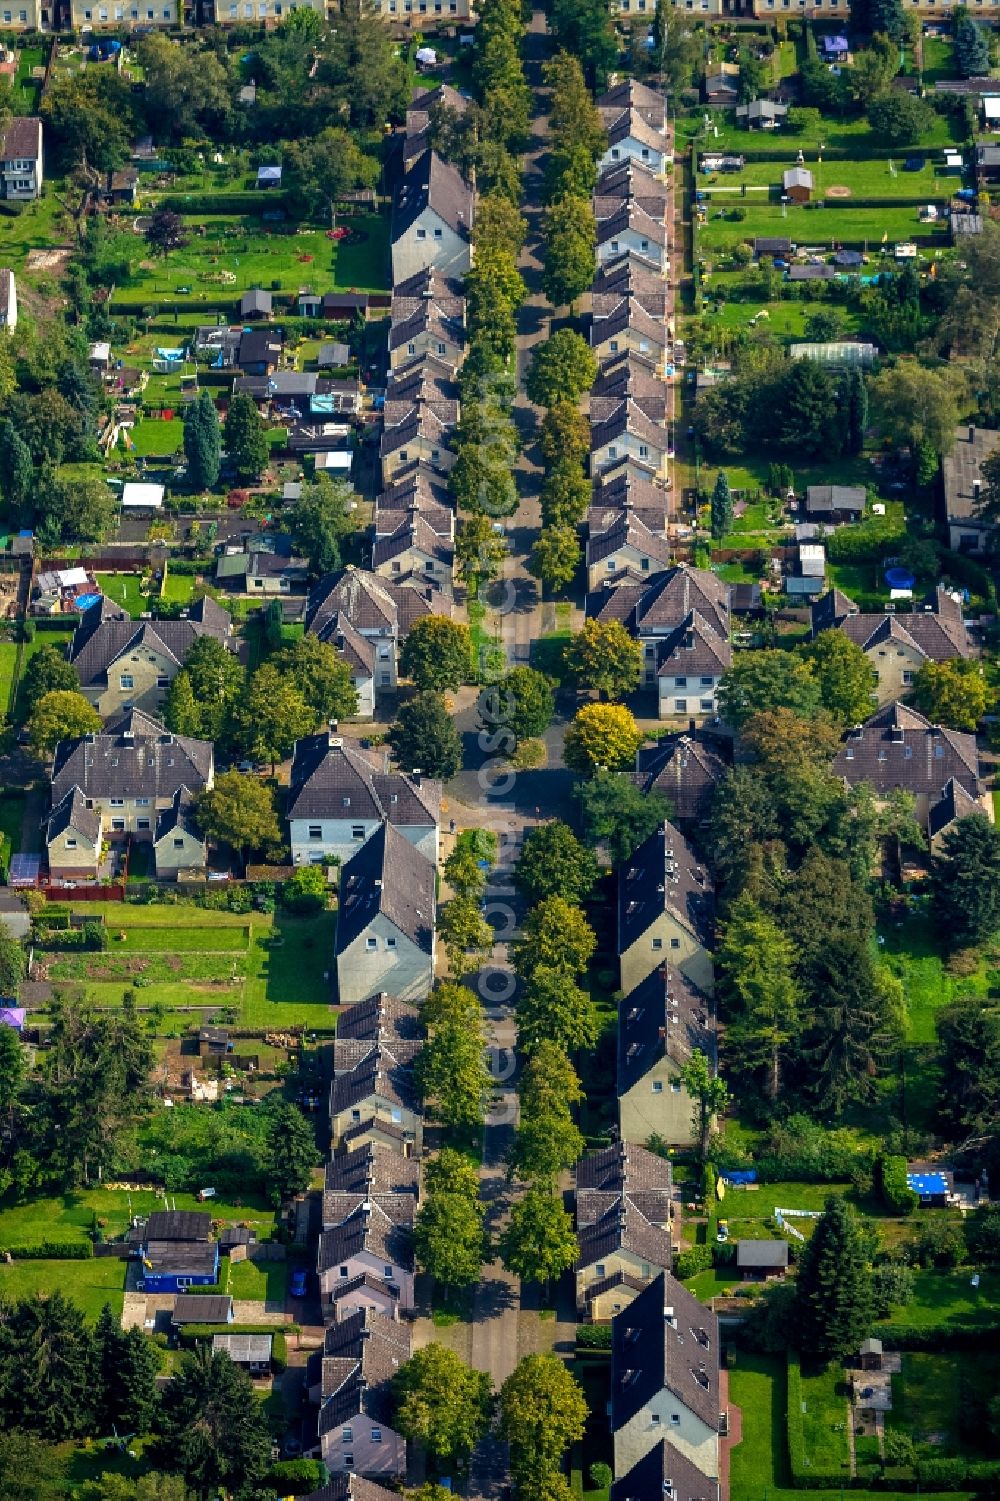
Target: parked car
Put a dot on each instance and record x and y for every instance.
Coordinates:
(299, 1283)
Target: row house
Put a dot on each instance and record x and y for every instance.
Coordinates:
(681, 619)
(420, 413)
(666, 913)
(427, 316)
(897, 645)
(623, 1213)
(373, 1096)
(416, 490)
(432, 220)
(378, 610)
(351, 1382)
(416, 554)
(635, 118)
(385, 932)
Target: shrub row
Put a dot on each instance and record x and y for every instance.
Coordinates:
(866, 542)
(897, 1195)
(850, 153)
(240, 201)
(190, 1334)
(900, 1336)
(51, 1250)
(594, 1336)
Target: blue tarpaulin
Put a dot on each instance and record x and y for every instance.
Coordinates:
(170, 354)
(742, 1178)
(928, 1185)
(84, 601)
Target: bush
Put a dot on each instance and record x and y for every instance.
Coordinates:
(892, 1287)
(279, 1351)
(689, 1263)
(867, 542)
(594, 1336)
(296, 1477)
(897, 1196)
(52, 1250)
(305, 891)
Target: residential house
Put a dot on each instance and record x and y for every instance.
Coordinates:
(629, 328)
(625, 438)
(373, 1097)
(379, 610)
(629, 182)
(432, 220)
(897, 748)
(758, 1260)
(385, 933)
(372, 1173)
(686, 769)
(124, 779)
(256, 305)
(666, 910)
(774, 247)
(21, 167)
(665, 1471)
(761, 114)
(953, 803)
(834, 503)
(681, 618)
(355, 1487)
(180, 849)
(8, 299)
(264, 566)
(361, 1355)
(623, 1213)
(632, 136)
(630, 275)
(626, 547)
(172, 1260)
(660, 1024)
(368, 1241)
(420, 114)
(623, 492)
(427, 316)
(416, 490)
(631, 230)
(421, 410)
(259, 351)
(415, 554)
(84, 15)
(897, 645)
(340, 795)
(797, 184)
(961, 473)
(129, 664)
(649, 103)
(260, 12)
(629, 377)
(666, 1381)
(33, 15)
(251, 1352)
(418, 12)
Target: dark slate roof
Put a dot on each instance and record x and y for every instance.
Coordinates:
(371, 604)
(687, 771)
(378, 1018)
(772, 245)
(22, 139)
(761, 1253)
(106, 633)
(195, 1257)
(665, 1474)
(664, 874)
(953, 804)
(665, 1014)
(665, 1340)
(631, 94)
(435, 183)
(179, 817)
(384, 1072)
(71, 812)
(369, 1282)
(822, 498)
(811, 273)
(131, 764)
(897, 747)
(334, 778)
(255, 301)
(178, 1224)
(623, 1196)
(389, 875)
(937, 631)
(415, 534)
(374, 1167)
(628, 531)
(694, 647)
(659, 603)
(363, 1130)
(213, 1308)
(368, 1229)
(259, 346)
(352, 1488)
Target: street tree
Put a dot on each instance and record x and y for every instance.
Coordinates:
(499, 224)
(565, 496)
(451, 1002)
(833, 1299)
(554, 933)
(452, 1074)
(437, 653)
(602, 738)
(246, 438)
(542, 1411)
(212, 1429)
(585, 29)
(965, 881)
(708, 1091)
(322, 677)
(844, 676)
(464, 931)
(520, 705)
(954, 693)
(617, 814)
(449, 1239)
(562, 369)
(442, 1403)
(604, 659)
(468, 865)
(553, 1008)
(322, 522)
(60, 714)
(479, 551)
(573, 115)
(722, 506)
(555, 556)
(423, 737)
(553, 862)
(538, 1243)
(239, 811)
(564, 434)
(271, 716)
(547, 1139)
(569, 234)
(202, 442)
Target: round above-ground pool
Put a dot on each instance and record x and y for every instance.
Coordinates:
(899, 578)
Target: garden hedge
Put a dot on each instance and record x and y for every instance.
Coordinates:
(51, 1250)
(897, 1195)
(245, 201)
(899, 1336)
(190, 1334)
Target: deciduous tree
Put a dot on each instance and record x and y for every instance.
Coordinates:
(555, 556)
(760, 681)
(844, 676)
(463, 930)
(569, 232)
(602, 738)
(538, 1243)
(322, 521)
(424, 738)
(520, 705)
(451, 1071)
(709, 1093)
(557, 934)
(542, 1412)
(617, 814)
(553, 1008)
(437, 653)
(561, 370)
(272, 716)
(553, 862)
(604, 658)
(321, 676)
(441, 1402)
(239, 811)
(60, 714)
(953, 693)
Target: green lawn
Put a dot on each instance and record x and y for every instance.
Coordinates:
(179, 587)
(785, 320)
(155, 437)
(870, 179)
(950, 1298)
(913, 953)
(852, 134)
(70, 1216)
(8, 670)
(264, 1281)
(824, 1421)
(803, 224)
(759, 1470)
(124, 589)
(930, 1395)
(90, 1283)
(42, 225)
(11, 819)
(939, 58)
(189, 955)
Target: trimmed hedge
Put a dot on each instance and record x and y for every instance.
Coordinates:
(594, 1336)
(192, 1333)
(51, 1250)
(895, 1336)
(897, 1195)
(246, 201)
(279, 1351)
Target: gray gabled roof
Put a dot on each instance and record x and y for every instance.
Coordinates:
(106, 632)
(664, 875)
(71, 812)
(387, 875)
(333, 778)
(130, 764)
(370, 603)
(433, 183)
(665, 1341)
(761, 1253)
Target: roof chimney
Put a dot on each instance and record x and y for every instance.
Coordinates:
(972, 432)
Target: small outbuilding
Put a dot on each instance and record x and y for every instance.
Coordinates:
(757, 1260)
(207, 1308)
(269, 177)
(138, 496)
(250, 1351)
(797, 184)
(256, 305)
(870, 1355)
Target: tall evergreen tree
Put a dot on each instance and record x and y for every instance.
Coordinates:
(722, 506)
(202, 442)
(17, 471)
(833, 1293)
(857, 411)
(212, 1428)
(246, 438)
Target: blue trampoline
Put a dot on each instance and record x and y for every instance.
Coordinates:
(899, 578)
